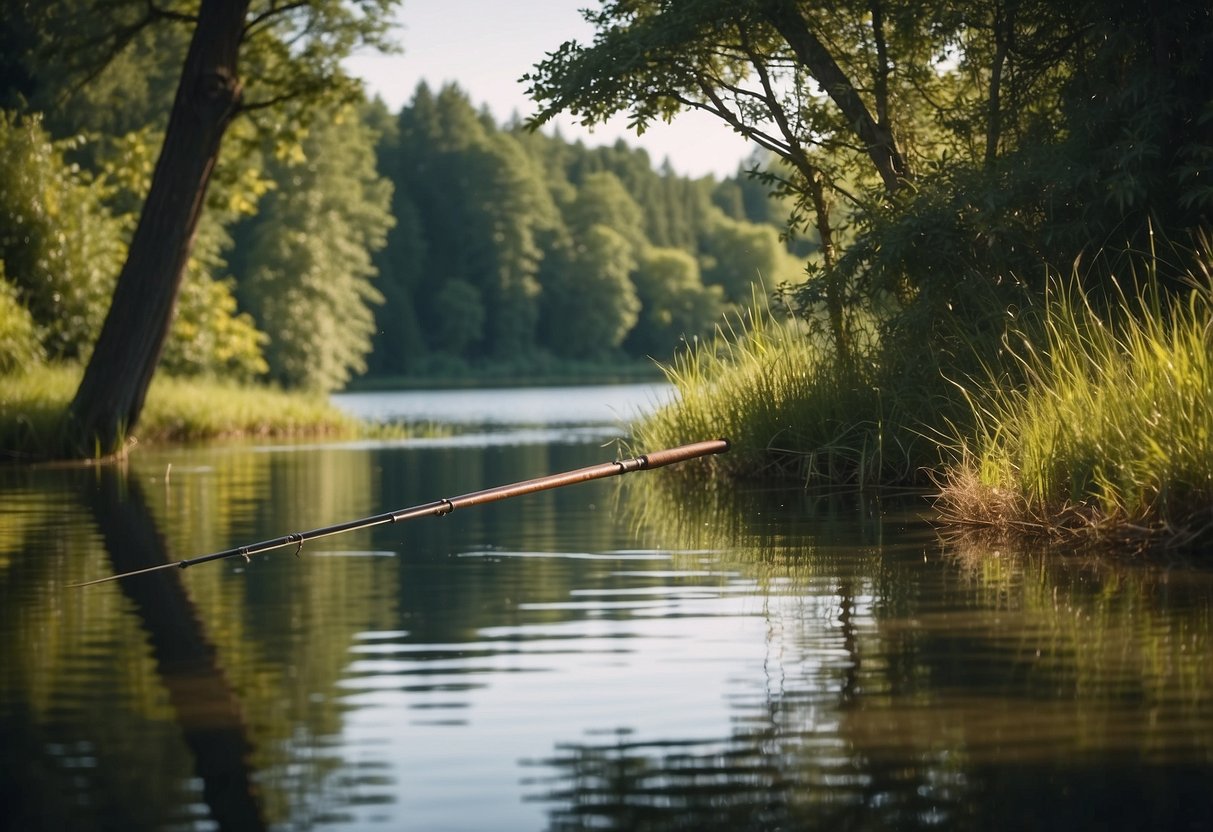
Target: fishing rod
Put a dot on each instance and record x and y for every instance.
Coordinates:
(438, 508)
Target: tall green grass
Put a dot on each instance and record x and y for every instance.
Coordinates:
(789, 406)
(32, 407)
(1111, 435)
(188, 409)
(33, 403)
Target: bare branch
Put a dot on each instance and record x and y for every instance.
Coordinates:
(289, 93)
(797, 155)
(881, 147)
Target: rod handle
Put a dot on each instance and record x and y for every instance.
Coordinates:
(658, 459)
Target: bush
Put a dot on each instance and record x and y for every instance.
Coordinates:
(61, 247)
(19, 345)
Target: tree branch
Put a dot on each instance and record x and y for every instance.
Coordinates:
(816, 58)
(722, 111)
(269, 14)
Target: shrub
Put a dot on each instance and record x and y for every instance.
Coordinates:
(19, 345)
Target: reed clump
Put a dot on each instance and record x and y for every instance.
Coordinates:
(790, 406)
(1110, 435)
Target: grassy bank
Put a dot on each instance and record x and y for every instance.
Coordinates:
(1097, 427)
(32, 405)
(1111, 438)
(791, 409)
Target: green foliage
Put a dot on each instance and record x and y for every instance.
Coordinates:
(995, 143)
(675, 306)
(1098, 141)
(460, 319)
(210, 337)
(746, 197)
(60, 245)
(591, 303)
(20, 347)
(518, 217)
(113, 66)
(738, 256)
(509, 211)
(398, 343)
(306, 273)
(603, 200)
(94, 68)
(67, 236)
(488, 215)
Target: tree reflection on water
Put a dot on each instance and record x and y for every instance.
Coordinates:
(951, 685)
(209, 713)
(850, 669)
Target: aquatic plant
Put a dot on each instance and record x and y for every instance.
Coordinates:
(776, 388)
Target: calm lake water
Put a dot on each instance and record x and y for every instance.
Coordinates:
(612, 655)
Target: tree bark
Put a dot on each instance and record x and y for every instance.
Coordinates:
(111, 394)
(1003, 30)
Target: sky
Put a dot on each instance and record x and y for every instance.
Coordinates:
(487, 45)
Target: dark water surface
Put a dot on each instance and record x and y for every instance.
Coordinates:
(599, 657)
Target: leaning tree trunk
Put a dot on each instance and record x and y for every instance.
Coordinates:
(111, 394)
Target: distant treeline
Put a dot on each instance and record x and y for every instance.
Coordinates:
(348, 240)
(509, 242)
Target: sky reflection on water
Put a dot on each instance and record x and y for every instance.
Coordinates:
(599, 405)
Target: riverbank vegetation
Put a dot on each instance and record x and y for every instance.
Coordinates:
(1093, 422)
(789, 407)
(952, 177)
(33, 404)
(1110, 435)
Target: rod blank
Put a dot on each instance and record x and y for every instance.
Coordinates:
(438, 508)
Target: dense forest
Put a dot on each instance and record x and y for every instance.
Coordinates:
(432, 241)
(510, 244)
